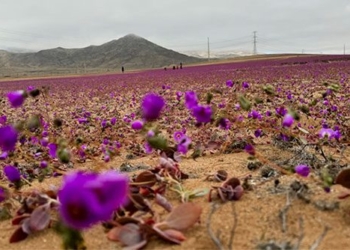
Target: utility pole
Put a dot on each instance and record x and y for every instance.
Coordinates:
(208, 50)
(254, 42)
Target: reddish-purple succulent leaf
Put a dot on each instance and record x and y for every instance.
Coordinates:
(163, 202)
(238, 192)
(18, 235)
(212, 145)
(17, 220)
(344, 195)
(343, 178)
(137, 246)
(126, 220)
(146, 177)
(128, 235)
(113, 234)
(26, 226)
(183, 216)
(171, 235)
(174, 234)
(40, 218)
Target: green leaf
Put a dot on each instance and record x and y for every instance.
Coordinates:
(244, 103)
(158, 142)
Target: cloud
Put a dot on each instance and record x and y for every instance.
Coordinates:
(180, 24)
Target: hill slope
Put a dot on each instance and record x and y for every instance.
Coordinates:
(131, 51)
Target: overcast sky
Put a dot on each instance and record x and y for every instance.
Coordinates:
(183, 25)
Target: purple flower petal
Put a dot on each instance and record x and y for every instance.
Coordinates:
(191, 99)
(302, 170)
(12, 173)
(151, 106)
(8, 138)
(137, 125)
(202, 113)
(16, 98)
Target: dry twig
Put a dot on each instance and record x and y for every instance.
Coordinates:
(319, 239)
(283, 213)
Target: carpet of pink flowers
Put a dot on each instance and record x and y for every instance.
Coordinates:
(55, 128)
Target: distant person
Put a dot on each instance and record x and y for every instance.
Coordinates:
(165, 68)
(122, 69)
(180, 65)
(174, 67)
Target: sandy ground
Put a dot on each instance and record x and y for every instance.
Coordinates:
(257, 213)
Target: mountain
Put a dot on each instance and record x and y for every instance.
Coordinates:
(130, 51)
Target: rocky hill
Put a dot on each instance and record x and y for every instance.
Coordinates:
(131, 51)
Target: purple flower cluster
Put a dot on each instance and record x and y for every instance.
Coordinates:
(183, 142)
(255, 115)
(152, 105)
(8, 138)
(329, 133)
(87, 198)
(202, 113)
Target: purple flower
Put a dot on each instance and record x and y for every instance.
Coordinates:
(30, 88)
(83, 120)
(334, 108)
(150, 133)
(148, 148)
(258, 133)
(94, 199)
(152, 105)
(229, 83)
(178, 136)
(105, 141)
(268, 113)
(113, 120)
(221, 105)
(12, 173)
(53, 150)
(16, 98)
(202, 113)
(249, 149)
(329, 133)
(44, 141)
(184, 143)
(137, 125)
(8, 138)
(287, 120)
(255, 115)
(106, 158)
(224, 123)
(43, 164)
(245, 85)
(302, 170)
(281, 111)
(178, 95)
(104, 123)
(191, 99)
